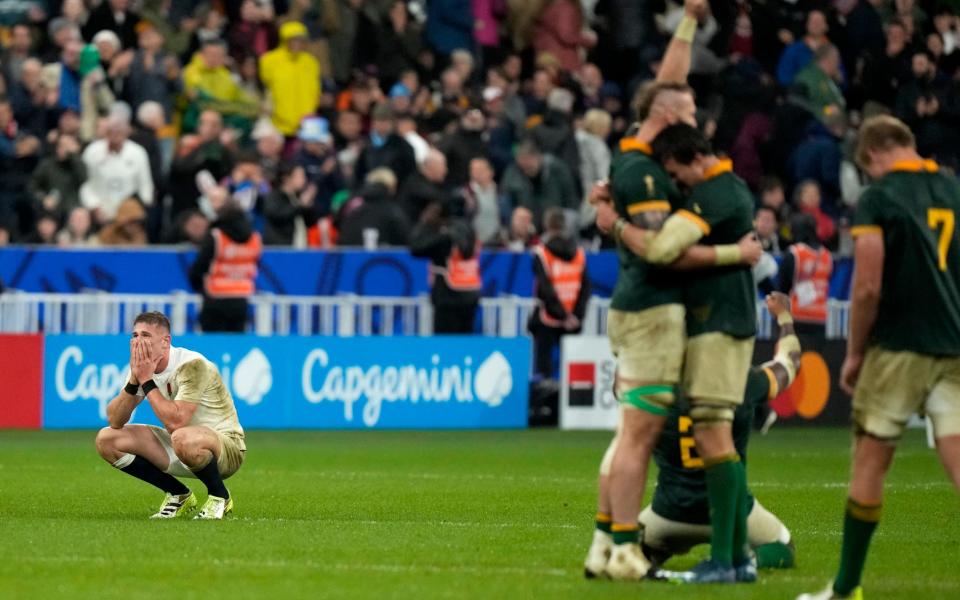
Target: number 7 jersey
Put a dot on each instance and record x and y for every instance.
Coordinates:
(915, 207)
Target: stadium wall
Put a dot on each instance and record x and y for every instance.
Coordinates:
(286, 271)
(444, 382)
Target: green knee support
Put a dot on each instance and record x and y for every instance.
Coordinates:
(653, 399)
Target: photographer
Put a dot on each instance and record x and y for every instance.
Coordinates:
(446, 238)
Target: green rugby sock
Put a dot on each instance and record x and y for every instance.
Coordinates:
(775, 556)
(626, 533)
(859, 523)
(740, 549)
(604, 522)
(723, 493)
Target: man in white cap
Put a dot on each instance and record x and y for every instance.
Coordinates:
(318, 158)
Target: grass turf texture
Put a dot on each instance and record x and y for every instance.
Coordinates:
(428, 515)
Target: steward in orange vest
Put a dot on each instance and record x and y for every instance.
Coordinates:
(226, 270)
(562, 287)
(805, 273)
(454, 252)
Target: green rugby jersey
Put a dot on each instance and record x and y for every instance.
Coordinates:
(642, 193)
(722, 299)
(681, 493)
(915, 207)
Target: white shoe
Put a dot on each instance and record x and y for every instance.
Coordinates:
(595, 564)
(627, 563)
(828, 594)
(215, 508)
(173, 506)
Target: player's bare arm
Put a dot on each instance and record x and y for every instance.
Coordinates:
(864, 302)
(786, 362)
(675, 244)
(174, 414)
(675, 65)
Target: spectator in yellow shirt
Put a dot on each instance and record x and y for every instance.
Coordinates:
(292, 76)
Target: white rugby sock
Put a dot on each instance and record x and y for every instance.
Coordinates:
(124, 461)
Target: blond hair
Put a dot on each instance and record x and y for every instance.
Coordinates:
(597, 122)
(880, 133)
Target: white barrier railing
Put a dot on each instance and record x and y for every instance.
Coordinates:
(347, 315)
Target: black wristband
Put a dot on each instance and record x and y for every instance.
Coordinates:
(131, 388)
(148, 386)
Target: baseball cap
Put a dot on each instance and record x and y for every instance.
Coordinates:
(314, 129)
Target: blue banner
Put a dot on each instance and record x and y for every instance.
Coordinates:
(444, 382)
(296, 272)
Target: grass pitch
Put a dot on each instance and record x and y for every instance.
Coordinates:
(428, 515)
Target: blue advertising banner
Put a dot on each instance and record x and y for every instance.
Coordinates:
(445, 382)
(296, 272)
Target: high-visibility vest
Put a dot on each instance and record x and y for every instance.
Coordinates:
(234, 266)
(566, 277)
(811, 283)
(323, 234)
(461, 274)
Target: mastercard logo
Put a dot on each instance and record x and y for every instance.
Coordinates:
(809, 393)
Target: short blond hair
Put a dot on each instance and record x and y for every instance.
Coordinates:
(384, 177)
(648, 93)
(880, 133)
(597, 122)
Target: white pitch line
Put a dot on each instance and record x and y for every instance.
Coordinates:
(308, 563)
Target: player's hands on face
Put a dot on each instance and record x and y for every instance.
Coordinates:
(133, 361)
(850, 372)
(750, 249)
(777, 303)
(606, 216)
(145, 362)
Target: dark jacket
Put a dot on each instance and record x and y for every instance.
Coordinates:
(212, 156)
(460, 148)
(555, 136)
(417, 193)
(327, 184)
(65, 177)
(565, 249)
(450, 25)
(377, 210)
(236, 226)
(395, 154)
(435, 242)
(553, 186)
(280, 211)
(102, 18)
(397, 52)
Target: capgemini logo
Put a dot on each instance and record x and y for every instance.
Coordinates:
(437, 381)
(494, 380)
(252, 377)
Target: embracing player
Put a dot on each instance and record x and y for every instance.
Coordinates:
(903, 350)
(720, 326)
(201, 437)
(646, 321)
(679, 516)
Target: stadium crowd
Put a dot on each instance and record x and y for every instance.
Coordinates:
(128, 122)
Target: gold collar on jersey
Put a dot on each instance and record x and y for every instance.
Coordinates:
(724, 165)
(916, 166)
(632, 144)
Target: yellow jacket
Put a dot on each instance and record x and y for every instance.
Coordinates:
(293, 80)
(217, 83)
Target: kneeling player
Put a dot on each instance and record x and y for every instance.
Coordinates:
(201, 438)
(679, 518)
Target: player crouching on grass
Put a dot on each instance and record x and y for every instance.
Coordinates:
(678, 518)
(201, 436)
